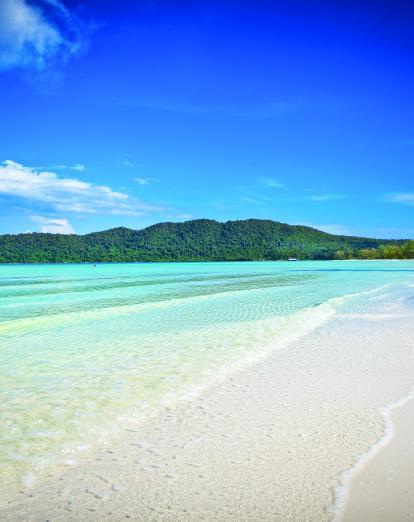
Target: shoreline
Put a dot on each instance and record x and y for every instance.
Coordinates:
(268, 442)
(347, 489)
(82, 263)
(381, 488)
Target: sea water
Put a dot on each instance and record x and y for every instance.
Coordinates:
(86, 350)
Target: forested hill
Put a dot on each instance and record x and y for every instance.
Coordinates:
(198, 240)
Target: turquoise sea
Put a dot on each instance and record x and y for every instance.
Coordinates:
(85, 350)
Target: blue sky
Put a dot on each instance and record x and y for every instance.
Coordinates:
(135, 112)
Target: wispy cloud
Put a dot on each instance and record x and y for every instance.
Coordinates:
(253, 201)
(405, 198)
(33, 34)
(270, 182)
(144, 181)
(53, 225)
(258, 199)
(326, 197)
(77, 166)
(68, 194)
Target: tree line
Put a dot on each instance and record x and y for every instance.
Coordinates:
(198, 240)
(403, 251)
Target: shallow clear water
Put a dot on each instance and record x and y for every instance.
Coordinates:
(84, 350)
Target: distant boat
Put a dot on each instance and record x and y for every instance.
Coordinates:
(293, 259)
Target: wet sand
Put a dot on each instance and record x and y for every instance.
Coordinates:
(268, 443)
(384, 488)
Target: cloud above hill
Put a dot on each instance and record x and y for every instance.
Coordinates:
(53, 225)
(68, 194)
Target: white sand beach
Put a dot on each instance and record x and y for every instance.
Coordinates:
(206, 261)
(267, 443)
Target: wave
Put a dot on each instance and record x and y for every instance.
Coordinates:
(51, 314)
(287, 330)
(292, 328)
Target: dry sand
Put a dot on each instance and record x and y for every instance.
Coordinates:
(266, 444)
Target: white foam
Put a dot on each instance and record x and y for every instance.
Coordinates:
(290, 329)
(341, 299)
(341, 492)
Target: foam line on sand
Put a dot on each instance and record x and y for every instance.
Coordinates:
(341, 493)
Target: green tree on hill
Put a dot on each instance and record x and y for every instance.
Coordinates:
(198, 240)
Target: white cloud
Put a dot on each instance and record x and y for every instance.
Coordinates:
(270, 182)
(142, 181)
(145, 181)
(77, 166)
(53, 225)
(326, 197)
(29, 37)
(405, 198)
(68, 194)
